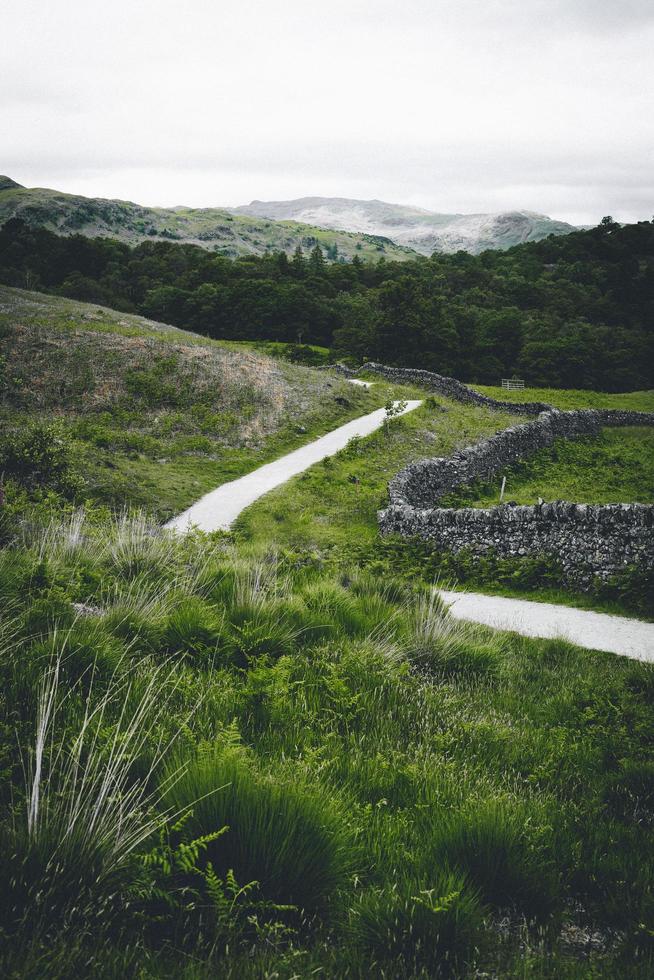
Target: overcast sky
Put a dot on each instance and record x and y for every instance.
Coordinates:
(453, 105)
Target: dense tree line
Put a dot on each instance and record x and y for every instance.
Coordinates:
(569, 311)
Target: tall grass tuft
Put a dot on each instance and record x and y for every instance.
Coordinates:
(289, 837)
(430, 929)
(435, 641)
(138, 547)
(194, 630)
(67, 855)
(495, 846)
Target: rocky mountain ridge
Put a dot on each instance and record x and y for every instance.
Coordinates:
(215, 229)
(416, 228)
(344, 227)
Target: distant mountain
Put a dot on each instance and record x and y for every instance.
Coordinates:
(343, 227)
(217, 229)
(415, 228)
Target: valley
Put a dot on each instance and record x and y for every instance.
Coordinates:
(314, 768)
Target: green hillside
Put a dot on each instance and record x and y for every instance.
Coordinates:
(271, 753)
(573, 311)
(215, 229)
(153, 415)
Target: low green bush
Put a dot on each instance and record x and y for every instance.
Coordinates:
(41, 456)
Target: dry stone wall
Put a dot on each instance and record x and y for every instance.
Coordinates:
(587, 541)
(449, 387)
(423, 483)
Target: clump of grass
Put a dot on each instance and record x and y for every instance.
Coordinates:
(141, 629)
(433, 929)
(288, 836)
(494, 845)
(194, 631)
(435, 641)
(67, 855)
(62, 538)
(336, 605)
(268, 635)
(137, 547)
(362, 582)
(629, 793)
(87, 649)
(51, 610)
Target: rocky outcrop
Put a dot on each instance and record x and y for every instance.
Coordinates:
(424, 231)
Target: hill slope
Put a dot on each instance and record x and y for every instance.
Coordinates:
(215, 229)
(423, 231)
(155, 415)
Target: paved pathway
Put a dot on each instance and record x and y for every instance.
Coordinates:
(218, 509)
(595, 631)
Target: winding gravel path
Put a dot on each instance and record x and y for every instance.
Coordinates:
(594, 631)
(219, 508)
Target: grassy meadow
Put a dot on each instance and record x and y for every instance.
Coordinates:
(216, 765)
(616, 467)
(568, 398)
(272, 753)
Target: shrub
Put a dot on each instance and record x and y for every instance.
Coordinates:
(40, 456)
(287, 836)
(492, 846)
(424, 928)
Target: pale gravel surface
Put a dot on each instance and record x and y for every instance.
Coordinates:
(592, 630)
(219, 508)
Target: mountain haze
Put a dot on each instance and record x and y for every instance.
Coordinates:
(418, 229)
(217, 229)
(344, 227)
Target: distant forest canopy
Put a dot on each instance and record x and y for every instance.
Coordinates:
(573, 311)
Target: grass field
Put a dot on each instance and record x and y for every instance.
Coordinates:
(369, 788)
(616, 467)
(637, 401)
(273, 754)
